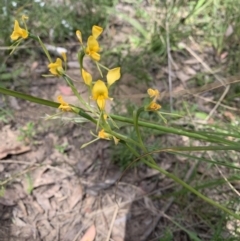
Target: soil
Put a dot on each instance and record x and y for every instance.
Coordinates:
(53, 190)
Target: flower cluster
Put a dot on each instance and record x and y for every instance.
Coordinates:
(98, 89)
(153, 106)
(92, 49)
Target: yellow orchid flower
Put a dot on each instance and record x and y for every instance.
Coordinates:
(153, 93)
(79, 36)
(100, 94)
(96, 31)
(113, 75)
(153, 106)
(64, 106)
(18, 32)
(103, 135)
(93, 48)
(56, 67)
(87, 77)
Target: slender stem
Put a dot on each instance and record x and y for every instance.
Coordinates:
(29, 97)
(166, 129)
(191, 189)
(153, 165)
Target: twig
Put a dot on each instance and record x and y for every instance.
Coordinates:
(112, 222)
(218, 103)
(204, 64)
(169, 69)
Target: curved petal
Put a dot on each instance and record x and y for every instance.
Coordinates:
(92, 44)
(101, 102)
(24, 33)
(153, 93)
(153, 106)
(56, 67)
(18, 32)
(95, 56)
(79, 36)
(87, 77)
(99, 89)
(96, 31)
(113, 75)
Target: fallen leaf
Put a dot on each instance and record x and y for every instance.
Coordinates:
(4, 151)
(75, 197)
(229, 115)
(90, 234)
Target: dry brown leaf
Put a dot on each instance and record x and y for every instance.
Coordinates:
(75, 196)
(9, 143)
(90, 234)
(229, 115)
(42, 177)
(182, 76)
(4, 151)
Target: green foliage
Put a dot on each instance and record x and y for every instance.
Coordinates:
(5, 115)
(27, 133)
(61, 148)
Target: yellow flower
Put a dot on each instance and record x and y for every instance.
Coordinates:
(93, 48)
(153, 106)
(56, 67)
(100, 94)
(18, 32)
(79, 36)
(63, 105)
(87, 77)
(103, 135)
(113, 75)
(96, 31)
(153, 93)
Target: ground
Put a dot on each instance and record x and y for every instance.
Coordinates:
(53, 190)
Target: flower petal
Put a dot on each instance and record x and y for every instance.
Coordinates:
(96, 31)
(64, 106)
(18, 32)
(100, 94)
(153, 93)
(153, 106)
(56, 67)
(101, 101)
(103, 135)
(95, 56)
(92, 44)
(99, 89)
(87, 77)
(79, 36)
(113, 75)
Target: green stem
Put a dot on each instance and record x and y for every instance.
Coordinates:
(74, 90)
(29, 98)
(163, 129)
(181, 182)
(191, 189)
(171, 130)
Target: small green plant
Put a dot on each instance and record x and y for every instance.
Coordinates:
(27, 133)
(5, 115)
(61, 148)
